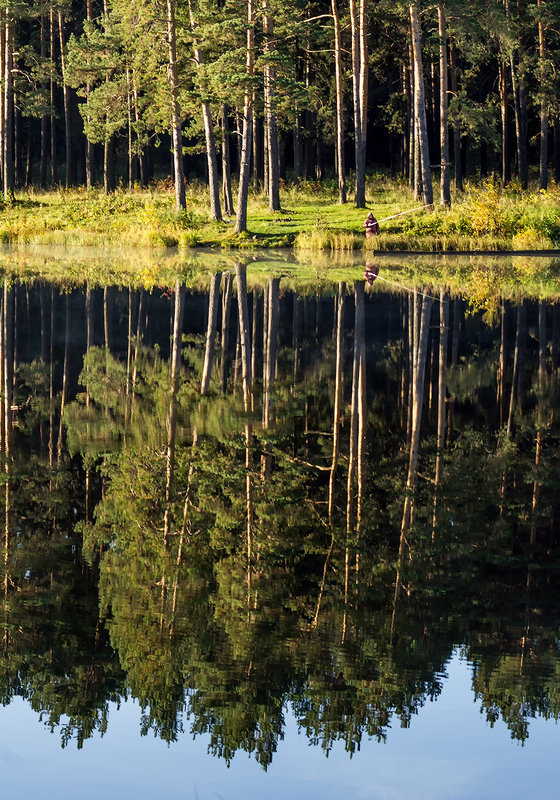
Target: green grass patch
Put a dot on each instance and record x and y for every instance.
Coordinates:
(484, 217)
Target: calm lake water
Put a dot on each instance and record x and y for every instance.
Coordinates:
(262, 538)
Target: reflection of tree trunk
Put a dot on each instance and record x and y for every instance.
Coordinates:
(337, 398)
(172, 412)
(211, 333)
(501, 363)
(138, 340)
(540, 422)
(241, 279)
(514, 376)
(269, 371)
(442, 388)
(421, 351)
(64, 395)
(356, 366)
(226, 311)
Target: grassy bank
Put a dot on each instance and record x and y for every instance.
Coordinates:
(484, 217)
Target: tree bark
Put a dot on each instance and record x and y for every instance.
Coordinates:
(359, 27)
(543, 150)
(243, 193)
(8, 170)
(340, 166)
(456, 128)
(176, 133)
(420, 107)
(445, 189)
(226, 167)
(272, 177)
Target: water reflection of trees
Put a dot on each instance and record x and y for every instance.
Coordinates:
(306, 501)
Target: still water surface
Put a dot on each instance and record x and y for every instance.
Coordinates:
(259, 539)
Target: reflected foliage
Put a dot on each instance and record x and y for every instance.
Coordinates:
(214, 586)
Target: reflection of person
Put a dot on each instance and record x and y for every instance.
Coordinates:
(371, 272)
(371, 225)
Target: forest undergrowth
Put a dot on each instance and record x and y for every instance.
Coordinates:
(485, 216)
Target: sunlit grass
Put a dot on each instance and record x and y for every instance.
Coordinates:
(484, 217)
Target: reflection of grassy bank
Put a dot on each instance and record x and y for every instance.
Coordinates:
(483, 218)
(480, 279)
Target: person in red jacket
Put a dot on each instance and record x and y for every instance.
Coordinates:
(371, 225)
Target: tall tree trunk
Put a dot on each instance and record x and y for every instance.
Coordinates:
(456, 128)
(543, 151)
(67, 109)
(420, 107)
(52, 56)
(445, 190)
(243, 193)
(359, 26)
(272, 178)
(213, 182)
(173, 79)
(226, 167)
(8, 170)
(502, 84)
(340, 166)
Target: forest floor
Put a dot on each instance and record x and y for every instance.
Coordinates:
(484, 217)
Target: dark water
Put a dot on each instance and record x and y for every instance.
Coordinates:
(344, 543)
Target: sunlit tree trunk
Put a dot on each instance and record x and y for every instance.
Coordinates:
(338, 71)
(173, 79)
(66, 98)
(445, 187)
(272, 177)
(243, 193)
(359, 28)
(543, 152)
(226, 168)
(52, 56)
(8, 169)
(420, 107)
(456, 127)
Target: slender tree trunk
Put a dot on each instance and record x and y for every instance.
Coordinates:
(443, 117)
(359, 27)
(226, 312)
(52, 55)
(543, 153)
(272, 177)
(340, 166)
(8, 170)
(173, 79)
(456, 128)
(243, 193)
(504, 115)
(226, 168)
(420, 107)
(66, 98)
